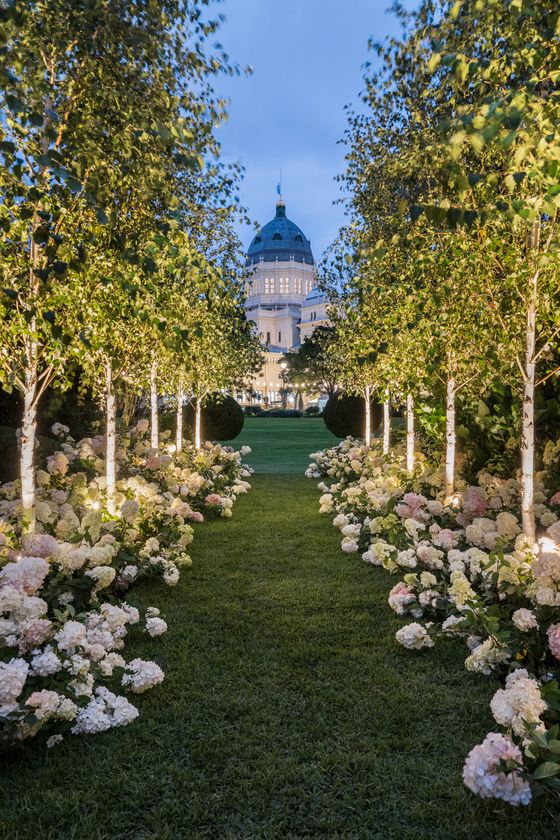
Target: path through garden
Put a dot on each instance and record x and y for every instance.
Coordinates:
(288, 710)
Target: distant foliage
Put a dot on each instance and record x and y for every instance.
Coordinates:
(282, 412)
(222, 418)
(344, 415)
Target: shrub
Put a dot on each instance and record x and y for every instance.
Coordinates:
(222, 418)
(282, 412)
(344, 415)
(253, 411)
(312, 411)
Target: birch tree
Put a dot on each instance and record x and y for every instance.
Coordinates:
(85, 88)
(503, 79)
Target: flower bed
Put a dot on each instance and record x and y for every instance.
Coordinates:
(468, 572)
(63, 620)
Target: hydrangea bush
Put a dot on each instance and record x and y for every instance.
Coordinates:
(63, 620)
(467, 571)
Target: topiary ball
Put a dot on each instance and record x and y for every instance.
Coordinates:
(222, 418)
(345, 414)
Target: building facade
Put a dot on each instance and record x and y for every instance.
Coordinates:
(283, 301)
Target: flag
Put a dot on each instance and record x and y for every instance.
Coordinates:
(279, 188)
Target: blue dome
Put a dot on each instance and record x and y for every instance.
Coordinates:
(280, 239)
(314, 295)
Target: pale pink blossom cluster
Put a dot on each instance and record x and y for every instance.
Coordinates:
(71, 637)
(400, 597)
(412, 506)
(553, 634)
(473, 553)
(485, 775)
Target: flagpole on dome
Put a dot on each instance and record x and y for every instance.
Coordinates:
(280, 204)
(279, 187)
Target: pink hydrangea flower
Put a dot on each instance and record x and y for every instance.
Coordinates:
(26, 574)
(400, 597)
(483, 775)
(212, 499)
(446, 538)
(555, 500)
(153, 462)
(33, 634)
(39, 545)
(411, 507)
(475, 504)
(553, 634)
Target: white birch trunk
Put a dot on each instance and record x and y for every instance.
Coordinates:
(450, 437)
(179, 424)
(367, 435)
(528, 428)
(30, 394)
(386, 427)
(154, 429)
(409, 433)
(111, 432)
(27, 456)
(197, 423)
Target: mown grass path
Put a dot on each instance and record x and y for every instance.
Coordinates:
(288, 710)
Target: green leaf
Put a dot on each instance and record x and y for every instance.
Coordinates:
(474, 178)
(548, 768)
(59, 267)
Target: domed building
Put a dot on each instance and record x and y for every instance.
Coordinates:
(282, 301)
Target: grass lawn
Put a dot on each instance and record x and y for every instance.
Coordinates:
(288, 709)
(283, 444)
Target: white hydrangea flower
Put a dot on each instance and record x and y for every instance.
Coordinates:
(407, 559)
(524, 620)
(155, 626)
(104, 711)
(453, 624)
(142, 675)
(519, 704)
(13, 675)
(71, 635)
(486, 657)
(45, 662)
(413, 637)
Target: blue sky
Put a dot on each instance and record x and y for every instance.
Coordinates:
(307, 57)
